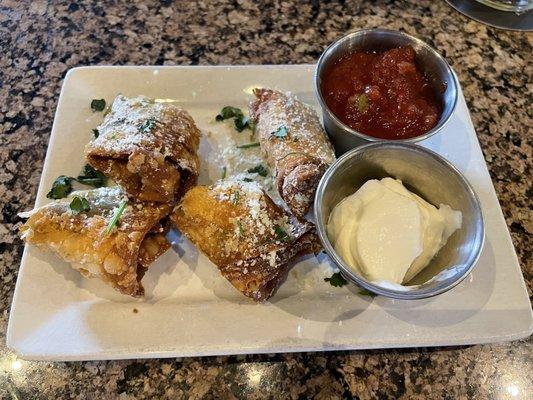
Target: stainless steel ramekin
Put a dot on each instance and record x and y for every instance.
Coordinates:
(434, 66)
(424, 173)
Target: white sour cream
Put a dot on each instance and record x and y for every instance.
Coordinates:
(387, 233)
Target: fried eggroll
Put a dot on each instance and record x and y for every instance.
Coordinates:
(294, 144)
(251, 239)
(110, 238)
(148, 148)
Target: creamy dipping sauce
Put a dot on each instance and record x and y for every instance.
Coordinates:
(387, 233)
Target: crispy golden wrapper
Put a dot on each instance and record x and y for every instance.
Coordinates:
(250, 238)
(148, 148)
(119, 257)
(294, 144)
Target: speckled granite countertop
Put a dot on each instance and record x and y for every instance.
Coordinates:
(39, 42)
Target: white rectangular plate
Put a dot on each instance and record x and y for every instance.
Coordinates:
(190, 310)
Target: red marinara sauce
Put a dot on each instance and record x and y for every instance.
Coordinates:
(381, 94)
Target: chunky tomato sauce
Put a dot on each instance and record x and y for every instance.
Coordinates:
(382, 95)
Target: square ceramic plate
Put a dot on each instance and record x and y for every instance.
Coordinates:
(190, 310)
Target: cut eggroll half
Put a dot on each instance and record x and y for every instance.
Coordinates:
(252, 240)
(102, 234)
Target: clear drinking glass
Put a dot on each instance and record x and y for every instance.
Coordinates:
(517, 6)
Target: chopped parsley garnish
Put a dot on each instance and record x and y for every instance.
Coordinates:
(223, 175)
(364, 292)
(236, 197)
(147, 125)
(242, 123)
(258, 169)
(239, 119)
(281, 132)
(248, 145)
(61, 187)
(98, 104)
(78, 205)
(116, 216)
(247, 180)
(90, 176)
(96, 133)
(241, 229)
(336, 280)
(229, 112)
(281, 234)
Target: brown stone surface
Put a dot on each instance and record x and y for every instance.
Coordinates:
(40, 41)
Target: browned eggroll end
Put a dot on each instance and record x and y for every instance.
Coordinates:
(297, 183)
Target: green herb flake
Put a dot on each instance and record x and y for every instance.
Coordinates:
(281, 132)
(362, 102)
(281, 234)
(116, 216)
(61, 187)
(224, 172)
(98, 104)
(228, 112)
(247, 180)
(90, 176)
(148, 125)
(248, 145)
(236, 197)
(364, 292)
(241, 229)
(336, 280)
(78, 205)
(258, 169)
(241, 121)
(96, 133)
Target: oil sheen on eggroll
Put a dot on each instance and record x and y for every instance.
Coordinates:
(294, 144)
(147, 147)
